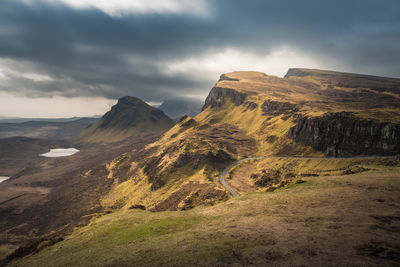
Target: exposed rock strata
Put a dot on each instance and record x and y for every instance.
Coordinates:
(341, 134)
(219, 94)
(223, 77)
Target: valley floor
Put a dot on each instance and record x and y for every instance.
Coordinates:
(328, 220)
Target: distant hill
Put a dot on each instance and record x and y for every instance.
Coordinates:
(54, 129)
(21, 120)
(175, 109)
(130, 117)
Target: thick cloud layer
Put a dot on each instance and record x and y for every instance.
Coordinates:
(54, 48)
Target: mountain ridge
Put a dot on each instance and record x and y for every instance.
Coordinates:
(301, 72)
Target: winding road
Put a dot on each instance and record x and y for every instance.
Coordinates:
(222, 177)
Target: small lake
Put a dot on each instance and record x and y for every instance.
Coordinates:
(3, 178)
(60, 152)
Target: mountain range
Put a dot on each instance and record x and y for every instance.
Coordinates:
(302, 135)
(307, 113)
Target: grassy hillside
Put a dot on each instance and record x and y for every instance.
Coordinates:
(251, 114)
(338, 219)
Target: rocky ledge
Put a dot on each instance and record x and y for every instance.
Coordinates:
(342, 134)
(219, 94)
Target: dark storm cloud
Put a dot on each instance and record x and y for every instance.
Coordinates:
(87, 52)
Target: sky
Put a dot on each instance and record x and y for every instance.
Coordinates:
(64, 58)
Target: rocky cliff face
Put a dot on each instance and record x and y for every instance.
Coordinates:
(219, 94)
(341, 134)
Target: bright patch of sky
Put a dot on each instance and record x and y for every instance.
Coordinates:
(215, 63)
(118, 8)
(54, 107)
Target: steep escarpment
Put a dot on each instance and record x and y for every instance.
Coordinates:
(356, 115)
(342, 134)
(334, 113)
(220, 94)
(130, 117)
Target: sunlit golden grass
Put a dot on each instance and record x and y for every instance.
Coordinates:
(257, 228)
(318, 93)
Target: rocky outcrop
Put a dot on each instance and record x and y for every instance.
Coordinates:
(187, 122)
(270, 107)
(267, 178)
(191, 195)
(250, 105)
(342, 134)
(223, 77)
(219, 94)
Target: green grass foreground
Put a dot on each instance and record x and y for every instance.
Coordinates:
(328, 220)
